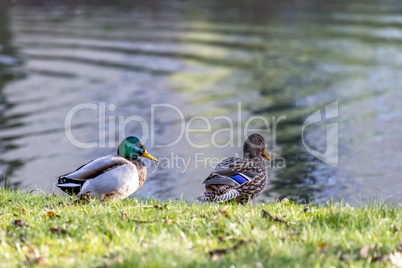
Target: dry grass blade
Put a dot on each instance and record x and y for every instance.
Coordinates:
(141, 221)
(55, 230)
(265, 214)
(222, 251)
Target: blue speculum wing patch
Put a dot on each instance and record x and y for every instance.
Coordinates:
(239, 179)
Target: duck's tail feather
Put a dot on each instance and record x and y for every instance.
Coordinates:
(69, 186)
(209, 196)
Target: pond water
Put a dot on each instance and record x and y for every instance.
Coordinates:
(282, 62)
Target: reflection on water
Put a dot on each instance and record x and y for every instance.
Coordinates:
(278, 60)
(7, 61)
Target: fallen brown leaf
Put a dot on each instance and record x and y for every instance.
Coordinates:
(379, 258)
(33, 257)
(39, 260)
(322, 245)
(51, 214)
(19, 223)
(55, 230)
(224, 213)
(34, 252)
(267, 214)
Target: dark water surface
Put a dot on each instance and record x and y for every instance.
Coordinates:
(231, 58)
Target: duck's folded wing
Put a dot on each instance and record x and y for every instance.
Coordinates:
(227, 162)
(95, 168)
(227, 176)
(124, 176)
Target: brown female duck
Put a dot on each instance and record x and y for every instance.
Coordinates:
(242, 179)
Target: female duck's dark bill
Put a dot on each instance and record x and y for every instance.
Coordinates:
(265, 156)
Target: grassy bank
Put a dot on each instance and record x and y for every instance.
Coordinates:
(54, 231)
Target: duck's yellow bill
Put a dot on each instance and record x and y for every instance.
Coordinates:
(265, 156)
(147, 155)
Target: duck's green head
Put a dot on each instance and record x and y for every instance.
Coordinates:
(131, 148)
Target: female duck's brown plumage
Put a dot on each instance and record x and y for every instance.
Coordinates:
(240, 178)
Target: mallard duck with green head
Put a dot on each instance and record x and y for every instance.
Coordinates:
(242, 179)
(111, 176)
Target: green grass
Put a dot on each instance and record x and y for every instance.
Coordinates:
(151, 233)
